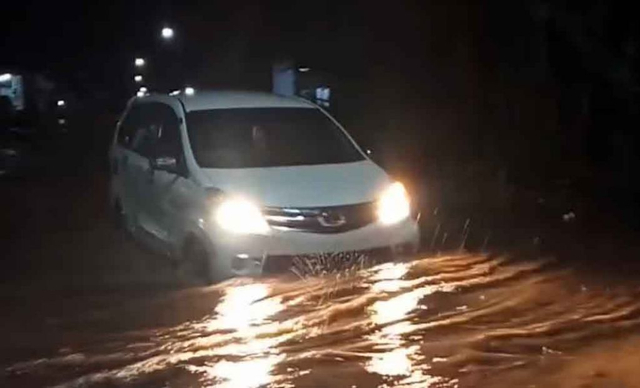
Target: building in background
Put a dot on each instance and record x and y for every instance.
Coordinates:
(289, 79)
(12, 88)
(30, 93)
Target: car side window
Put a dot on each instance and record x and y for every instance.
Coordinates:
(146, 131)
(169, 140)
(128, 126)
(151, 130)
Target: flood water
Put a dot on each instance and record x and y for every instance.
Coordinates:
(445, 321)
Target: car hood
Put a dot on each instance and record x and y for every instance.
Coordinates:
(302, 186)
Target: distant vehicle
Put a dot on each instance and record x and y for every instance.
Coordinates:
(243, 183)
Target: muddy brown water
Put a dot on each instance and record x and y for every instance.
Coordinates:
(447, 321)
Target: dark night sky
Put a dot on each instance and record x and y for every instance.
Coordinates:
(520, 84)
(217, 42)
(73, 39)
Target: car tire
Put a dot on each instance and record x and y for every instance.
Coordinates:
(195, 266)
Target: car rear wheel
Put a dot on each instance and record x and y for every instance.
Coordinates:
(194, 266)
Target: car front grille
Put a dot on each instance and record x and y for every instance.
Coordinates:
(315, 263)
(331, 219)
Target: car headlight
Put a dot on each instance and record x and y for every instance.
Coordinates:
(240, 216)
(393, 205)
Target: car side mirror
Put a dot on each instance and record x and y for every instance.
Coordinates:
(165, 163)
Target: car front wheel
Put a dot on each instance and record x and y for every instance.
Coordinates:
(194, 266)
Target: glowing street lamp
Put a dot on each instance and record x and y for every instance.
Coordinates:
(139, 62)
(138, 78)
(167, 33)
(189, 91)
(303, 69)
(61, 103)
(142, 91)
(5, 77)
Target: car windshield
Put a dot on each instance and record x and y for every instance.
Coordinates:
(267, 137)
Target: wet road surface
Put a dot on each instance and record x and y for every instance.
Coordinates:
(448, 321)
(95, 310)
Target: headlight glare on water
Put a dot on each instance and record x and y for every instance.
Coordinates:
(240, 216)
(393, 205)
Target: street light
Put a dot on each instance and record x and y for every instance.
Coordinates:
(142, 91)
(139, 62)
(138, 78)
(303, 69)
(189, 91)
(61, 103)
(5, 77)
(167, 33)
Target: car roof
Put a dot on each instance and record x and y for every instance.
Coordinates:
(225, 99)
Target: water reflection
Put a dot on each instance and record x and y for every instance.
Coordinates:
(388, 277)
(246, 310)
(245, 374)
(381, 324)
(385, 311)
(393, 317)
(393, 363)
(390, 271)
(245, 306)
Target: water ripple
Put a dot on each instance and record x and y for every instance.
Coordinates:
(434, 322)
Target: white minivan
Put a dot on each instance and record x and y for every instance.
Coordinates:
(245, 183)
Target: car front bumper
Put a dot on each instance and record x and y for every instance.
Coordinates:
(251, 255)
